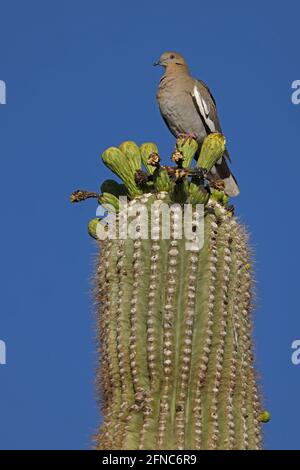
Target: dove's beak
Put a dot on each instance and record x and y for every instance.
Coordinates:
(156, 63)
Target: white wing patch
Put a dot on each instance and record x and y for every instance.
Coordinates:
(203, 109)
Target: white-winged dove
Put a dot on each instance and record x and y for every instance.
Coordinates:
(188, 107)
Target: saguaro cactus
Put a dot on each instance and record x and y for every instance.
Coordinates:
(174, 323)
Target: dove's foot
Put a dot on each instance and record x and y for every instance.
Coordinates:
(187, 136)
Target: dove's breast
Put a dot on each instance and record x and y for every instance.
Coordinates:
(178, 110)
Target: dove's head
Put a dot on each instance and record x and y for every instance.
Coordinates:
(171, 60)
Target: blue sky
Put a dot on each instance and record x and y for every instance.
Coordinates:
(79, 78)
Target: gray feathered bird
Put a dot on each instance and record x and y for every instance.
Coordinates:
(188, 107)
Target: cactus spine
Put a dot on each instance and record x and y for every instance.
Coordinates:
(175, 323)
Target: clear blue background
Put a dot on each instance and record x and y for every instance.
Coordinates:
(79, 78)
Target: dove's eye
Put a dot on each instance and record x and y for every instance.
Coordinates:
(172, 56)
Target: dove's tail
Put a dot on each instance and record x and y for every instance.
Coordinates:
(222, 170)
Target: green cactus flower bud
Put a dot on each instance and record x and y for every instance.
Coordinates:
(264, 417)
(92, 228)
(109, 200)
(188, 148)
(132, 154)
(198, 194)
(219, 196)
(124, 167)
(161, 180)
(212, 150)
(146, 150)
